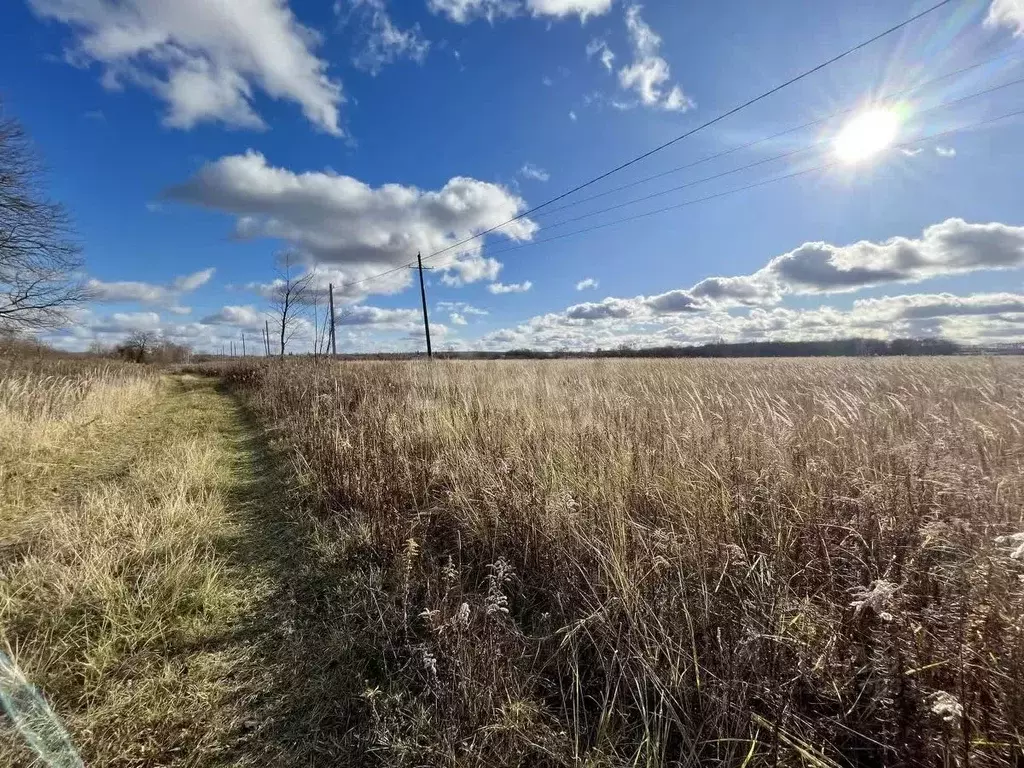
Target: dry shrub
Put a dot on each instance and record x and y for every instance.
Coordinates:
(668, 563)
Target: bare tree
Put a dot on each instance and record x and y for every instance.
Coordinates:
(138, 346)
(39, 259)
(290, 294)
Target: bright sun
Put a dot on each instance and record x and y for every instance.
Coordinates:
(866, 134)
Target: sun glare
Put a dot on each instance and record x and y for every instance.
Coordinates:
(866, 134)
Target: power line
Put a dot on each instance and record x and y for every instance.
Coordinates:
(665, 145)
(750, 144)
(702, 126)
(763, 161)
(747, 187)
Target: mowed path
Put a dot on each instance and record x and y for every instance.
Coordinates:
(151, 594)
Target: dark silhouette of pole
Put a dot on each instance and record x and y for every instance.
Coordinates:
(330, 299)
(243, 343)
(423, 295)
(266, 331)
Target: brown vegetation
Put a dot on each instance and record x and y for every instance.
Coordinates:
(655, 563)
(116, 601)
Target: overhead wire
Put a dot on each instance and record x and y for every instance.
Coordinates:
(764, 161)
(632, 161)
(875, 101)
(753, 185)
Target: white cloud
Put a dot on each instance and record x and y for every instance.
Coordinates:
(562, 8)
(613, 322)
(600, 48)
(381, 318)
(465, 11)
(188, 283)
(648, 74)
(531, 171)
(205, 59)
(240, 316)
(461, 307)
(586, 283)
(384, 42)
(949, 248)
(735, 308)
(498, 288)
(910, 152)
(456, 318)
(149, 293)
(470, 269)
(342, 224)
(547, 81)
(572, 115)
(945, 151)
(1007, 13)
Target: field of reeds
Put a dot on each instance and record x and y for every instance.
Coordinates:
(655, 563)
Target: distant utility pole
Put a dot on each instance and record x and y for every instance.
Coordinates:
(243, 343)
(330, 298)
(423, 296)
(266, 334)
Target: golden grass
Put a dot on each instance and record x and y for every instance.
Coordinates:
(113, 593)
(640, 563)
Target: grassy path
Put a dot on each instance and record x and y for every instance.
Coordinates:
(150, 588)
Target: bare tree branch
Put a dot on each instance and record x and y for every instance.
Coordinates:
(39, 258)
(289, 297)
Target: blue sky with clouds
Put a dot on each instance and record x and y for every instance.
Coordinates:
(194, 142)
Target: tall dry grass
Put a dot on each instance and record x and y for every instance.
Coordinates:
(623, 563)
(112, 593)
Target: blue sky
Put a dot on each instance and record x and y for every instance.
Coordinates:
(194, 143)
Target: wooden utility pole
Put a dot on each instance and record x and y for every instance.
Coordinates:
(423, 296)
(330, 299)
(243, 343)
(266, 333)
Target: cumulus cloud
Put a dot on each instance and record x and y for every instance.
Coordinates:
(149, 293)
(603, 310)
(456, 318)
(1007, 13)
(561, 8)
(599, 47)
(739, 308)
(204, 59)
(498, 288)
(470, 269)
(613, 322)
(945, 151)
(353, 230)
(648, 75)
(531, 171)
(949, 248)
(239, 316)
(586, 283)
(383, 42)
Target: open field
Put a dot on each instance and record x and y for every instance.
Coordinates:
(661, 563)
(562, 563)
